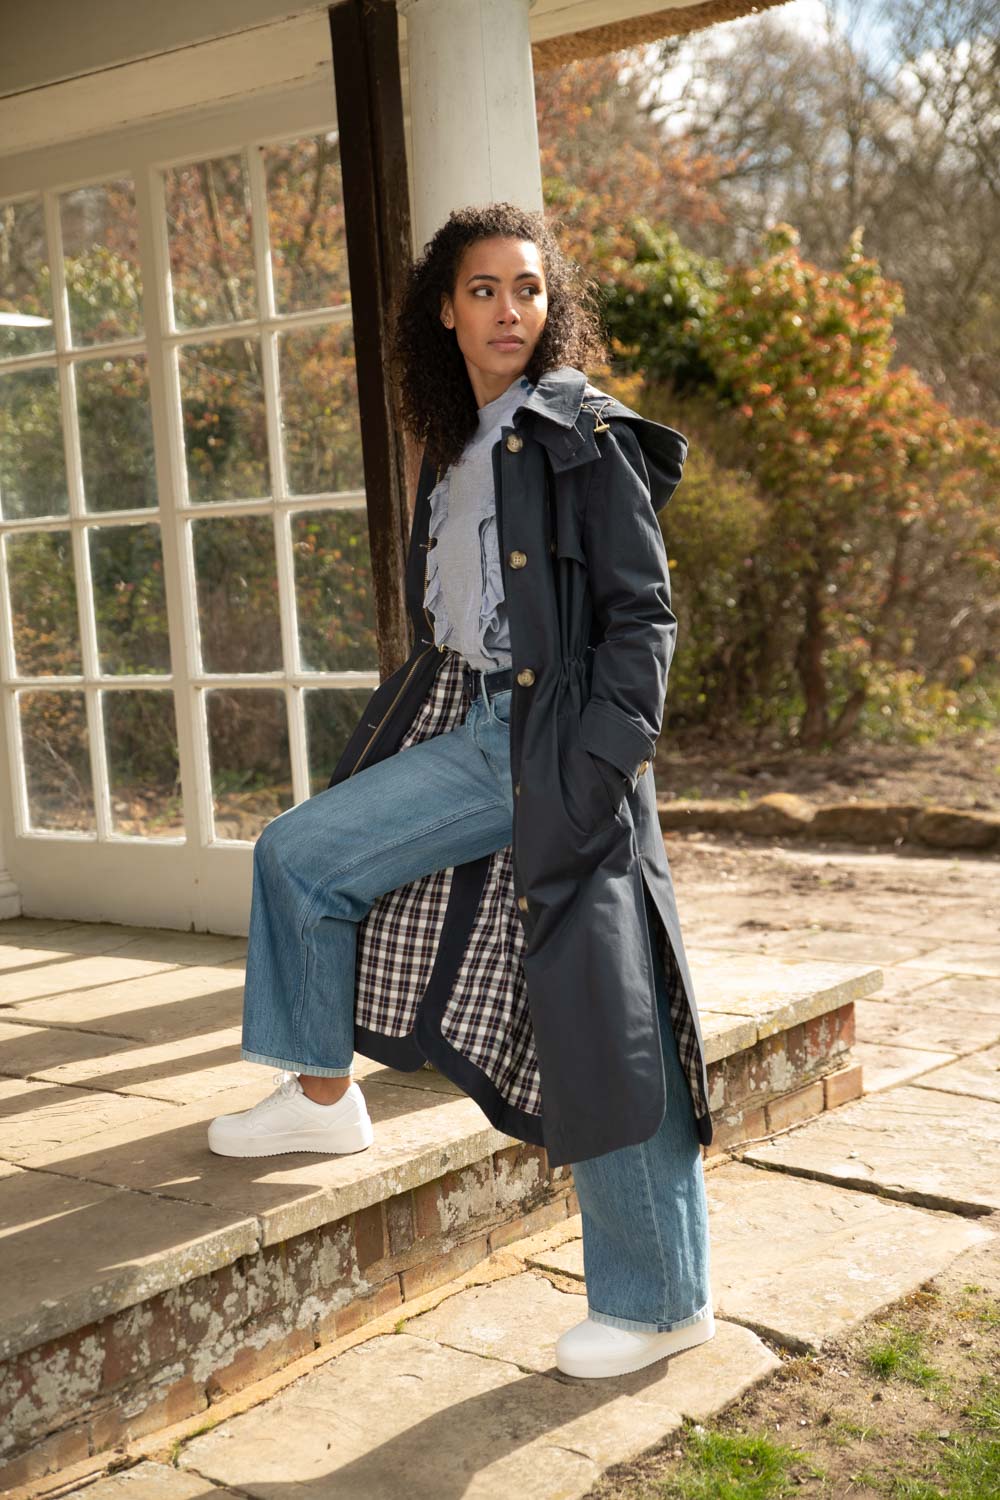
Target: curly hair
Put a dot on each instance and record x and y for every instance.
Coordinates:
(437, 402)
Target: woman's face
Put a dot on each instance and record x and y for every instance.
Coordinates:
(498, 310)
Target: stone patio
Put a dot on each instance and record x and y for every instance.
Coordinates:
(430, 1276)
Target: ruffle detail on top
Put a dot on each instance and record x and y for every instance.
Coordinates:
(493, 631)
(434, 595)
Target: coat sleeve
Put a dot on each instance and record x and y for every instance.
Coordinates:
(629, 581)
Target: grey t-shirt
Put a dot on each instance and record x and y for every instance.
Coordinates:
(464, 576)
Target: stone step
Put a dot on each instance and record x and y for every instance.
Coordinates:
(173, 1275)
(858, 821)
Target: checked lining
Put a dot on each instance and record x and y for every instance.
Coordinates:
(486, 1017)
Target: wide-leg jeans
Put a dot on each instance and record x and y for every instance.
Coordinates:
(319, 867)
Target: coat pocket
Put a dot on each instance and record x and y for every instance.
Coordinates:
(589, 802)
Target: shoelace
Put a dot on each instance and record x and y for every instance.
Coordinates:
(286, 1082)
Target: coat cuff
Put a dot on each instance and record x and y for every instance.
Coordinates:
(605, 731)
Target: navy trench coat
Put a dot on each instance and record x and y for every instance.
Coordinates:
(580, 478)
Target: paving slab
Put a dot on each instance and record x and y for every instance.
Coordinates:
(68, 939)
(164, 1004)
(884, 1065)
(874, 946)
(920, 1144)
(149, 1481)
(519, 1319)
(777, 992)
(978, 1075)
(849, 1253)
(979, 993)
(102, 1249)
(180, 1071)
(26, 1050)
(928, 1023)
(406, 1415)
(959, 958)
(419, 1135)
(40, 1117)
(74, 975)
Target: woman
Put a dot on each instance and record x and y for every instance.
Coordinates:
(537, 583)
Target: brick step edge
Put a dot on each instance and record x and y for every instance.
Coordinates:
(783, 815)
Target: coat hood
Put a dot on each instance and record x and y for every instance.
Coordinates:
(567, 410)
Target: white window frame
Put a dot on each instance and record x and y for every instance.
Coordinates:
(198, 881)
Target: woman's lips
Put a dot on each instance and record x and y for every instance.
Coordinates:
(507, 343)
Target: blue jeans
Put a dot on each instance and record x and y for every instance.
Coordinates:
(318, 869)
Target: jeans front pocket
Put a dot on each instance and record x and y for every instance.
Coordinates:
(500, 704)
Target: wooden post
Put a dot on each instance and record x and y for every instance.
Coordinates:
(364, 36)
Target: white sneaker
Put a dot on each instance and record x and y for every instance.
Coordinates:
(597, 1349)
(288, 1121)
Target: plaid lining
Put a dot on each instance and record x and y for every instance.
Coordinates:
(486, 1017)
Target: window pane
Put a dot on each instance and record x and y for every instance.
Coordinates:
(25, 284)
(126, 565)
(333, 589)
(320, 427)
(237, 594)
(305, 208)
(140, 733)
(225, 432)
(43, 604)
(211, 245)
(250, 760)
(56, 760)
(32, 466)
(116, 434)
(332, 715)
(100, 235)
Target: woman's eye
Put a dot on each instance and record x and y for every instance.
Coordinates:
(489, 289)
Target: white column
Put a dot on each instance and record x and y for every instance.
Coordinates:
(473, 132)
(10, 896)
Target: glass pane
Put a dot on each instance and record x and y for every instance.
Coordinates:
(225, 433)
(32, 465)
(100, 234)
(305, 210)
(126, 565)
(25, 284)
(140, 732)
(332, 714)
(116, 434)
(320, 426)
(237, 594)
(211, 245)
(250, 760)
(56, 760)
(333, 589)
(43, 604)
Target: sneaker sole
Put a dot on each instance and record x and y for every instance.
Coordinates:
(591, 1369)
(337, 1143)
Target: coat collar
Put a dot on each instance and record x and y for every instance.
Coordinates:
(566, 411)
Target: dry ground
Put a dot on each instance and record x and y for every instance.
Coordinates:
(908, 1405)
(963, 772)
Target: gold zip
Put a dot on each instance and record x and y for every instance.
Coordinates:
(388, 711)
(409, 674)
(427, 548)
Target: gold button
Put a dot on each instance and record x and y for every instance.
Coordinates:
(514, 443)
(552, 545)
(526, 677)
(522, 902)
(517, 789)
(643, 767)
(517, 559)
